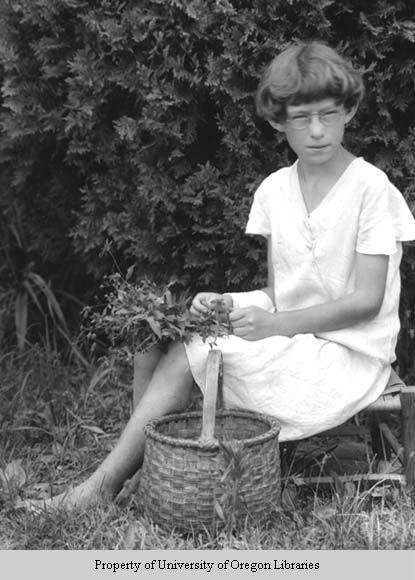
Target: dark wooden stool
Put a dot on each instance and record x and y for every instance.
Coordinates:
(397, 397)
(397, 400)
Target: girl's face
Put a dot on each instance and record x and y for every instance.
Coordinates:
(315, 130)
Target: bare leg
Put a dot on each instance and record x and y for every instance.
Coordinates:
(145, 364)
(168, 391)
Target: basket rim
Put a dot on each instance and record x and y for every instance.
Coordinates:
(150, 429)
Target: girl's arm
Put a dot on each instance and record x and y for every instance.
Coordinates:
(270, 282)
(360, 305)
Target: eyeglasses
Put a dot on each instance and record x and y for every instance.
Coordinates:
(326, 118)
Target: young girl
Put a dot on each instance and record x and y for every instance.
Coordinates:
(315, 346)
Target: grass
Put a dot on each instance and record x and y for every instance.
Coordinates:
(57, 421)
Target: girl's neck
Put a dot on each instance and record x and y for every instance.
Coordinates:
(316, 182)
(334, 167)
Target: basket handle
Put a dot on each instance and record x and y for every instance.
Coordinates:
(213, 393)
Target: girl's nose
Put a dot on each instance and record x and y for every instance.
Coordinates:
(316, 126)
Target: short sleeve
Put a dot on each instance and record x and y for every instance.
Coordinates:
(259, 216)
(404, 222)
(384, 219)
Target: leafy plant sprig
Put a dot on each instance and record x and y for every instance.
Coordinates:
(137, 316)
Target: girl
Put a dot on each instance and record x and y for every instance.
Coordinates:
(315, 346)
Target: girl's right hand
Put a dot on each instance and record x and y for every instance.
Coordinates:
(204, 301)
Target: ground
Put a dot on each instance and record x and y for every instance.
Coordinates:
(58, 420)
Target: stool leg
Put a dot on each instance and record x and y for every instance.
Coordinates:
(380, 450)
(408, 425)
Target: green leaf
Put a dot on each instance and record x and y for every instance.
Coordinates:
(155, 326)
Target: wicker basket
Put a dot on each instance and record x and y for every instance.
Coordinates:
(202, 470)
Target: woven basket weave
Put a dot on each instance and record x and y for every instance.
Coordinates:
(202, 470)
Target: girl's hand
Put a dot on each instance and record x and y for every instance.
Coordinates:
(205, 301)
(253, 323)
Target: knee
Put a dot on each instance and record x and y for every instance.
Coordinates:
(172, 378)
(175, 361)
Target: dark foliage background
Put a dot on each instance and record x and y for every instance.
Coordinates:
(128, 132)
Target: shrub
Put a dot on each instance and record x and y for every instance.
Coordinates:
(132, 125)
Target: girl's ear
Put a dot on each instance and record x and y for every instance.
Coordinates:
(278, 126)
(350, 114)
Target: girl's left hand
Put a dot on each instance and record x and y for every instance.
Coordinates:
(252, 323)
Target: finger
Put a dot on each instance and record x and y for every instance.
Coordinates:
(228, 302)
(241, 326)
(237, 314)
(197, 306)
(240, 332)
(207, 303)
(213, 300)
(197, 310)
(200, 300)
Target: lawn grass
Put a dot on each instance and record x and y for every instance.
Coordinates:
(59, 420)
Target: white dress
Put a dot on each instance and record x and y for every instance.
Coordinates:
(309, 382)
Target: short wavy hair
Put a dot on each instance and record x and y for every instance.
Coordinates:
(306, 72)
